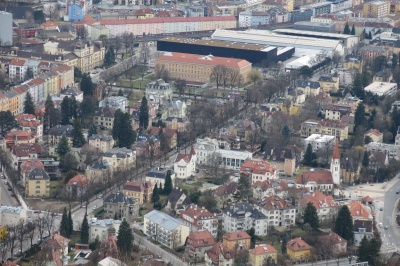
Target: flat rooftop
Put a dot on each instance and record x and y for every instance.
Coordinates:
(314, 33)
(218, 43)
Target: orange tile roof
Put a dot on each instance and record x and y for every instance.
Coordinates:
(24, 150)
(359, 210)
(80, 180)
(257, 167)
(271, 183)
(203, 60)
(375, 132)
(20, 89)
(319, 200)
(197, 214)
(200, 239)
(320, 177)
(263, 249)
(336, 154)
(29, 165)
(298, 244)
(274, 203)
(220, 249)
(238, 235)
(17, 62)
(28, 120)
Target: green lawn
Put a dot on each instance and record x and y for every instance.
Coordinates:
(53, 188)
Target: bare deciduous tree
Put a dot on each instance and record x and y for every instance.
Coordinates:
(53, 11)
(219, 75)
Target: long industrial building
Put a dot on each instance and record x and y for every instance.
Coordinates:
(253, 53)
(349, 41)
(303, 45)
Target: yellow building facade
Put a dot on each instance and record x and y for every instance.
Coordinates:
(37, 184)
(298, 249)
(260, 253)
(3, 232)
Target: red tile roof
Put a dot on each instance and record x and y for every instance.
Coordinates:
(200, 239)
(333, 238)
(375, 132)
(203, 60)
(257, 167)
(17, 62)
(23, 150)
(320, 177)
(298, 244)
(267, 184)
(138, 186)
(274, 203)
(336, 154)
(165, 20)
(187, 157)
(28, 120)
(238, 235)
(359, 210)
(220, 249)
(226, 190)
(29, 165)
(194, 214)
(319, 200)
(78, 180)
(263, 250)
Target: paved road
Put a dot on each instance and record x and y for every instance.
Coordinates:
(6, 199)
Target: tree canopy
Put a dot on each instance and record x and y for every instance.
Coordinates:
(144, 113)
(311, 216)
(122, 131)
(29, 106)
(87, 85)
(63, 146)
(346, 29)
(78, 140)
(125, 238)
(168, 183)
(84, 239)
(7, 122)
(344, 224)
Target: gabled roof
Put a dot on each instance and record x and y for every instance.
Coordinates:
(163, 219)
(333, 238)
(320, 177)
(25, 149)
(118, 198)
(307, 83)
(79, 181)
(187, 157)
(240, 209)
(175, 195)
(278, 154)
(257, 167)
(298, 244)
(138, 186)
(277, 185)
(196, 214)
(235, 236)
(219, 249)
(274, 203)
(263, 249)
(200, 239)
(357, 209)
(367, 225)
(29, 165)
(37, 172)
(228, 189)
(319, 200)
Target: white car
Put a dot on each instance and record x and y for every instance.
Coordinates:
(94, 207)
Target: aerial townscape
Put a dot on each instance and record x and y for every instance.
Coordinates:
(208, 133)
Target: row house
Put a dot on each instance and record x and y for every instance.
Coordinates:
(199, 218)
(270, 187)
(257, 170)
(29, 123)
(278, 211)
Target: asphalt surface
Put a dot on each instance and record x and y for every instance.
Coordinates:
(5, 197)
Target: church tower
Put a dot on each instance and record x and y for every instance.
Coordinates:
(335, 164)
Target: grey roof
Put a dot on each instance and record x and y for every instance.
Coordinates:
(280, 154)
(60, 130)
(175, 195)
(71, 91)
(105, 222)
(307, 83)
(105, 112)
(176, 105)
(101, 137)
(163, 220)
(158, 173)
(325, 78)
(179, 119)
(119, 152)
(358, 224)
(100, 165)
(119, 197)
(38, 172)
(240, 209)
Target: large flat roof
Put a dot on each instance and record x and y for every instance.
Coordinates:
(314, 33)
(267, 37)
(218, 43)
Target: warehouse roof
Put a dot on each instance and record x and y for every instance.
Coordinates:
(217, 43)
(313, 33)
(264, 37)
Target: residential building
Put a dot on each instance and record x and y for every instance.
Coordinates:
(319, 141)
(362, 229)
(243, 216)
(174, 109)
(258, 170)
(104, 117)
(310, 88)
(101, 142)
(115, 102)
(283, 159)
(360, 211)
(325, 205)
(99, 171)
(238, 240)
(56, 133)
(260, 253)
(243, 129)
(164, 229)
(177, 201)
(278, 211)
(329, 83)
(54, 250)
(72, 91)
(326, 127)
(226, 194)
(376, 9)
(375, 135)
(171, 136)
(185, 164)
(75, 11)
(337, 243)
(158, 175)
(204, 149)
(316, 181)
(141, 191)
(335, 111)
(179, 124)
(38, 184)
(159, 91)
(219, 255)
(29, 123)
(27, 166)
(198, 242)
(298, 249)
(252, 18)
(102, 229)
(6, 35)
(391, 150)
(16, 137)
(77, 185)
(181, 65)
(12, 215)
(121, 158)
(381, 88)
(350, 170)
(24, 152)
(232, 159)
(199, 218)
(270, 187)
(117, 204)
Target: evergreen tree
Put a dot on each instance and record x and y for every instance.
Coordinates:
(156, 196)
(64, 224)
(88, 106)
(78, 140)
(353, 30)
(344, 224)
(122, 131)
(395, 121)
(284, 243)
(115, 216)
(49, 121)
(65, 111)
(308, 156)
(346, 29)
(7, 122)
(357, 87)
(70, 224)
(286, 134)
(63, 146)
(311, 216)
(85, 231)
(359, 117)
(244, 187)
(168, 184)
(28, 73)
(120, 93)
(368, 250)
(395, 60)
(363, 250)
(92, 130)
(144, 113)
(252, 234)
(365, 160)
(162, 192)
(369, 35)
(109, 57)
(29, 106)
(73, 107)
(87, 85)
(125, 238)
